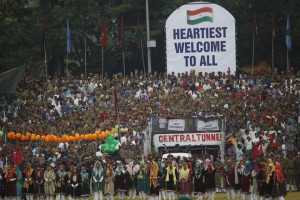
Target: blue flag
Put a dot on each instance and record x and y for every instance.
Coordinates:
(288, 39)
(68, 37)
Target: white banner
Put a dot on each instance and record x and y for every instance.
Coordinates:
(176, 124)
(187, 139)
(200, 36)
(208, 126)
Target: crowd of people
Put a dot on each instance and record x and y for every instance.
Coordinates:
(262, 121)
(162, 179)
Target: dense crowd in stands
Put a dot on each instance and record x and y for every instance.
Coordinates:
(261, 111)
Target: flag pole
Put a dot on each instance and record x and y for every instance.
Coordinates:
(143, 56)
(287, 60)
(102, 63)
(67, 64)
(253, 47)
(124, 63)
(85, 56)
(273, 53)
(46, 67)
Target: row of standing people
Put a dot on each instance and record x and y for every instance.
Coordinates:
(163, 180)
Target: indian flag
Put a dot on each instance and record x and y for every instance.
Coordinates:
(198, 16)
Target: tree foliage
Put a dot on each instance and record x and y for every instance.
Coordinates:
(21, 29)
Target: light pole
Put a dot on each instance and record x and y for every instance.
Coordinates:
(148, 37)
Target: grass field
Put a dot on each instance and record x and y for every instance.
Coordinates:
(222, 196)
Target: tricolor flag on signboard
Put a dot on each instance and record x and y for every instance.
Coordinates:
(198, 16)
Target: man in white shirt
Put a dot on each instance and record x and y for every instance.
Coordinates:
(248, 147)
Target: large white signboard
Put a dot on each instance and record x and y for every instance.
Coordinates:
(187, 139)
(200, 36)
(208, 126)
(176, 125)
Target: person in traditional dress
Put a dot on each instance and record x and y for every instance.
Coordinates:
(133, 169)
(124, 182)
(2, 194)
(98, 181)
(142, 182)
(109, 182)
(218, 176)
(75, 184)
(184, 179)
(261, 180)
(269, 178)
(154, 175)
(49, 182)
(19, 183)
(118, 177)
(198, 179)
(238, 175)
(229, 179)
(10, 182)
(210, 184)
(162, 181)
(246, 180)
(61, 183)
(28, 183)
(171, 180)
(85, 184)
(279, 187)
(69, 177)
(254, 183)
(39, 183)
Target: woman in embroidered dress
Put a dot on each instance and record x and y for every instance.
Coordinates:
(261, 180)
(10, 182)
(238, 175)
(269, 178)
(69, 177)
(229, 179)
(246, 180)
(61, 183)
(142, 183)
(19, 183)
(154, 175)
(210, 184)
(254, 183)
(279, 188)
(75, 184)
(28, 184)
(39, 183)
(171, 180)
(124, 182)
(109, 182)
(85, 184)
(98, 181)
(49, 183)
(162, 181)
(198, 180)
(184, 179)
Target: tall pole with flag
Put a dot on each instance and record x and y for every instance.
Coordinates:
(44, 46)
(139, 43)
(68, 45)
(122, 43)
(254, 35)
(273, 37)
(103, 40)
(288, 41)
(117, 116)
